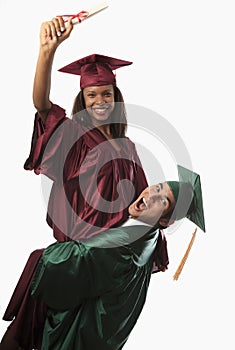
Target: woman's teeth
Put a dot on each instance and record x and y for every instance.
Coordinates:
(100, 111)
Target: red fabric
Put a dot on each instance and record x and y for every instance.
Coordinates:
(161, 259)
(28, 315)
(95, 70)
(88, 194)
(65, 152)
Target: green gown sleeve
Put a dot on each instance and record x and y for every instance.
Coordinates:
(70, 272)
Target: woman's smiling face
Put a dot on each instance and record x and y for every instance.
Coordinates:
(153, 203)
(99, 102)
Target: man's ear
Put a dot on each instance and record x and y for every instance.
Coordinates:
(166, 222)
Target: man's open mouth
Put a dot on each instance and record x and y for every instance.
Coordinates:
(141, 204)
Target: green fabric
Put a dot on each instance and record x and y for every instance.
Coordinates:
(175, 187)
(187, 193)
(196, 212)
(95, 293)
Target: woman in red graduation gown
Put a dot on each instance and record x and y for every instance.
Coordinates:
(94, 167)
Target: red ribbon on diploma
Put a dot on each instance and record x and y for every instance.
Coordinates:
(79, 16)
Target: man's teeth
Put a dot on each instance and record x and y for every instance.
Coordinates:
(144, 200)
(141, 205)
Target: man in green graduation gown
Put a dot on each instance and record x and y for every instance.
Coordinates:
(95, 289)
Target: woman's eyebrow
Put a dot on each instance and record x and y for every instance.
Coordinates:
(108, 90)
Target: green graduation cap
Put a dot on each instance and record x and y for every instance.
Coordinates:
(188, 196)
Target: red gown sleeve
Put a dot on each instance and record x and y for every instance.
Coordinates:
(38, 160)
(140, 181)
(161, 259)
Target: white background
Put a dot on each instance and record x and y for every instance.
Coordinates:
(183, 54)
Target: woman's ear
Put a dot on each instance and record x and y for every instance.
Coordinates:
(166, 222)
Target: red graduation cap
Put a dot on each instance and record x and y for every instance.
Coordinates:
(95, 70)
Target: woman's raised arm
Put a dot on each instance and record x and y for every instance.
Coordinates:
(52, 34)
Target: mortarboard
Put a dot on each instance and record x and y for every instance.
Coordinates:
(188, 196)
(95, 70)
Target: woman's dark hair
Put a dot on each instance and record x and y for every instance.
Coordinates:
(117, 119)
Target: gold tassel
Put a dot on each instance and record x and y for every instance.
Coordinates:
(181, 265)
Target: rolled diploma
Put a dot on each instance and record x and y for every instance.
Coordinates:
(91, 12)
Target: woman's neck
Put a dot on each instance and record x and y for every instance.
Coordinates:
(105, 130)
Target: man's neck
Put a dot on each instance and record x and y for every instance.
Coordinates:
(131, 222)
